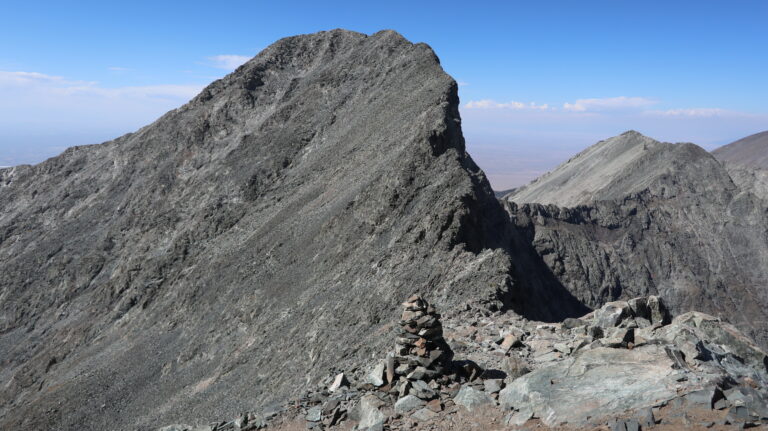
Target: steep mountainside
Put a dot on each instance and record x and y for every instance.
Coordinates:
(626, 164)
(747, 162)
(651, 218)
(248, 242)
(751, 151)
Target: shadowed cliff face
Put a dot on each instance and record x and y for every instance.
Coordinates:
(246, 243)
(652, 218)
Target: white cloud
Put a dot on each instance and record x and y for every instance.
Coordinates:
(492, 104)
(228, 61)
(608, 104)
(118, 69)
(696, 112)
(31, 83)
(8, 78)
(462, 83)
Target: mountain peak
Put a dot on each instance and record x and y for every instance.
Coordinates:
(751, 152)
(617, 167)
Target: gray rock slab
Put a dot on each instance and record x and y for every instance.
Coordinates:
(315, 414)
(376, 376)
(595, 383)
(369, 413)
(493, 386)
(409, 403)
(519, 418)
(424, 414)
(472, 398)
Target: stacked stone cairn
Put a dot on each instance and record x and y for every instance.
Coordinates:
(421, 354)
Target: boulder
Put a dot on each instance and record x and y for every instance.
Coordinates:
(368, 413)
(409, 403)
(612, 314)
(471, 398)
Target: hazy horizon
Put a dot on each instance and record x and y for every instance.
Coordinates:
(537, 84)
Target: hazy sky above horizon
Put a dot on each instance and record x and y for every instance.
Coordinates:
(539, 81)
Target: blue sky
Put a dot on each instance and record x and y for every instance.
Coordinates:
(539, 81)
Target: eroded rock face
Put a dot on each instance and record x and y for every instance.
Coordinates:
(639, 217)
(244, 244)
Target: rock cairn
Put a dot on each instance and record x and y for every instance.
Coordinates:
(421, 353)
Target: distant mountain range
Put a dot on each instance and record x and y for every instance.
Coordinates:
(631, 216)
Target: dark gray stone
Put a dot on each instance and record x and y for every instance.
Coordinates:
(315, 414)
(704, 397)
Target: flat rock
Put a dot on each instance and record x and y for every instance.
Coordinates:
(596, 383)
(424, 414)
(315, 414)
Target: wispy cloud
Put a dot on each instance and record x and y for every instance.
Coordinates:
(609, 104)
(513, 105)
(9, 78)
(39, 83)
(118, 69)
(228, 61)
(697, 112)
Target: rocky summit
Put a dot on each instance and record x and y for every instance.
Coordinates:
(307, 243)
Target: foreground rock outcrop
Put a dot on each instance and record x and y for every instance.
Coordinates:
(631, 216)
(627, 365)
